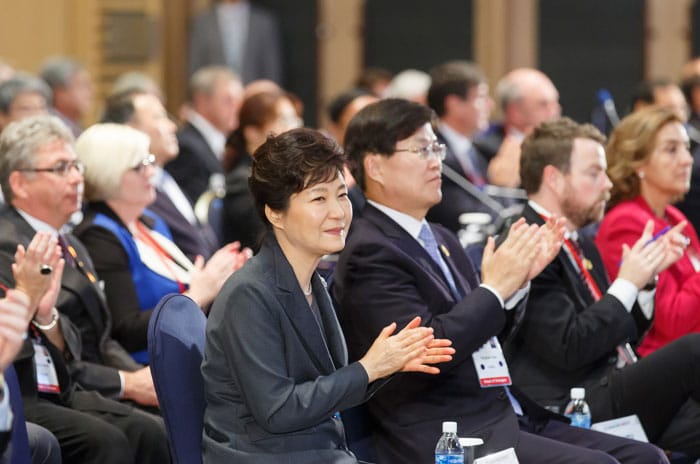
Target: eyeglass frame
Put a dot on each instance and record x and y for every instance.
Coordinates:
(435, 148)
(140, 167)
(62, 168)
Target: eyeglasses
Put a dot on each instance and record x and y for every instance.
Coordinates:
(62, 168)
(435, 149)
(141, 166)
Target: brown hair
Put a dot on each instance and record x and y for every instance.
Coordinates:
(630, 146)
(551, 143)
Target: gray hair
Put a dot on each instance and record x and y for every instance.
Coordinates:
(21, 140)
(507, 92)
(22, 83)
(58, 70)
(204, 80)
(108, 150)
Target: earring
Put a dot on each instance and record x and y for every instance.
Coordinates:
(640, 174)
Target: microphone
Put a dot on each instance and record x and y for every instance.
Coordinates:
(606, 101)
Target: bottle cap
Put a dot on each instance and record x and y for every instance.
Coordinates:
(578, 393)
(469, 442)
(449, 427)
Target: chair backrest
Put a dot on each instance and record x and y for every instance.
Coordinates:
(19, 442)
(176, 334)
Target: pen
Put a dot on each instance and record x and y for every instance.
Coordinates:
(652, 239)
(658, 234)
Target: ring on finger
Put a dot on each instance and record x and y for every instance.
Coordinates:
(45, 269)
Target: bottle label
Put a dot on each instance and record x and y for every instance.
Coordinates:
(449, 459)
(580, 420)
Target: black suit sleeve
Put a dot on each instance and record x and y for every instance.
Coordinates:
(112, 265)
(564, 336)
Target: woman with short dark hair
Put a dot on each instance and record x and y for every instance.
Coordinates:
(275, 364)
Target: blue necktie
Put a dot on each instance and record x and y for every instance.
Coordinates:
(430, 244)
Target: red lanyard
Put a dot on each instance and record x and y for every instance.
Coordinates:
(164, 256)
(592, 286)
(587, 277)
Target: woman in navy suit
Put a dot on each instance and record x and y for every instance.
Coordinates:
(275, 363)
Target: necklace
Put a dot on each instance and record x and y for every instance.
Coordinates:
(309, 291)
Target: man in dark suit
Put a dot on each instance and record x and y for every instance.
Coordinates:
(145, 112)
(575, 321)
(42, 182)
(241, 35)
(215, 96)
(459, 95)
(396, 265)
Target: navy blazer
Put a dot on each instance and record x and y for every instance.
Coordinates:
(273, 381)
(195, 163)
(566, 338)
(384, 275)
(192, 239)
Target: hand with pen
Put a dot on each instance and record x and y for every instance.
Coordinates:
(651, 254)
(674, 243)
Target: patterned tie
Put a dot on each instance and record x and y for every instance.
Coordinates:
(430, 244)
(65, 250)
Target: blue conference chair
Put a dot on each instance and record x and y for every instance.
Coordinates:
(176, 334)
(19, 442)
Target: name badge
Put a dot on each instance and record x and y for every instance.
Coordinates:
(46, 378)
(490, 365)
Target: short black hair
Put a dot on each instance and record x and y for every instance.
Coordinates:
(290, 162)
(339, 103)
(452, 78)
(378, 126)
(119, 108)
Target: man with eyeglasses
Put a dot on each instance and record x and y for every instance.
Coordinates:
(396, 265)
(70, 370)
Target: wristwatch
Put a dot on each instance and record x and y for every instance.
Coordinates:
(651, 285)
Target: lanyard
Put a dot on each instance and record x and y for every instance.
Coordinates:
(163, 255)
(575, 252)
(587, 277)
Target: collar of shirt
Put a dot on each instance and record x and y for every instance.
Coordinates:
(539, 209)
(37, 224)
(407, 223)
(459, 144)
(214, 138)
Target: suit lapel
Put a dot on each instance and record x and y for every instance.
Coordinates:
(406, 242)
(297, 309)
(334, 335)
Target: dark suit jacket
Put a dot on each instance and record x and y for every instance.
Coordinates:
(489, 142)
(94, 357)
(384, 275)
(193, 240)
(273, 380)
(194, 164)
(566, 339)
(455, 200)
(240, 219)
(262, 56)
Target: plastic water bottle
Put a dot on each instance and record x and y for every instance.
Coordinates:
(448, 449)
(577, 410)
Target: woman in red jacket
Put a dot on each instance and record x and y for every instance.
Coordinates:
(649, 165)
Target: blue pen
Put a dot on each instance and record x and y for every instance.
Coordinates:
(652, 239)
(658, 234)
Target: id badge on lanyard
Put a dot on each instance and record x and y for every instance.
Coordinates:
(490, 365)
(46, 377)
